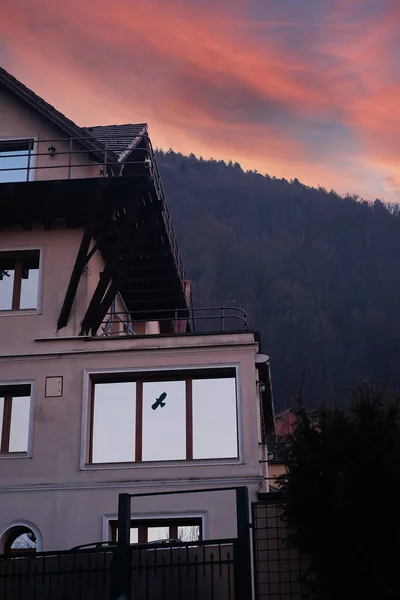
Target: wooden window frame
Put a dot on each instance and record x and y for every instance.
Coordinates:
(140, 379)
(142, 525)
(18, 258)
(9, 393)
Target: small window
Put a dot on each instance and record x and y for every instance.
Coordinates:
(191, 416)
(19, 279)
(143, 531)
(16, 160)
(15, 409)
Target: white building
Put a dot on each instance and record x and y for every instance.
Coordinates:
(105, 387)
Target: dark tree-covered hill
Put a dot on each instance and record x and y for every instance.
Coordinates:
(318, 274)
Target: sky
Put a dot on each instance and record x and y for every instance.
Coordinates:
(294, 88)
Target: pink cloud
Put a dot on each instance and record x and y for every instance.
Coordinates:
(314, 103)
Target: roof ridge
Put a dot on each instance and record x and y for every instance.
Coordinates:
(116, 125)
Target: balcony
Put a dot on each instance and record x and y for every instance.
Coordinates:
(110, 187)
(200, 321)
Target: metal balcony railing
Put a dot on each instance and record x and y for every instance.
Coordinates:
(200, 320)
(31, 159)
(86, 157)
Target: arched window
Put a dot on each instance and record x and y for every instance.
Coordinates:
(19, 539)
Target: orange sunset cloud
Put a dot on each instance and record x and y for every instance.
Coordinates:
(296, 89)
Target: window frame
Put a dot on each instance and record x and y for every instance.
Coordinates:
(144, 523)
(28, 453)
(25, 311)
(32, 155)
(174, 373)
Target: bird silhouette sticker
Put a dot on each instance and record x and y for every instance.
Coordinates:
(160, 401)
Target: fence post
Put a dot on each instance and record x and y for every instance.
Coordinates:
(242, 551)
(122, 560)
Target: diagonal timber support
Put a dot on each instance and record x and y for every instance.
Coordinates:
(113, 274)
(81, 260)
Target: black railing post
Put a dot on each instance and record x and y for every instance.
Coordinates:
(70, 151)
(122, 563)
(242, 550)
(29, 162)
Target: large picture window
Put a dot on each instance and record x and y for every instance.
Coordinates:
(191, 416)
(15, 409)
(19, 279)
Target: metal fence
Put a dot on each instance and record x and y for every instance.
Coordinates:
(182, 571)
(279, 569)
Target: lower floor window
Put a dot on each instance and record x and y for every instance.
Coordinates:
(15, 409)
(142, 532)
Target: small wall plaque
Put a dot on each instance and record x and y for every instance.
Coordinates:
(54, 387)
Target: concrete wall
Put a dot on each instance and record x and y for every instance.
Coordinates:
(69, 518)
(19, 120)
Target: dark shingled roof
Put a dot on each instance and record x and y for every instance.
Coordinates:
(120, 138)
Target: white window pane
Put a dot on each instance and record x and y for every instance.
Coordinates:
(6, 289)
(157, 533)
(189, 533)
(164, 427)
(24, 542)
(134, 537)
(19, 429)
(114, 422)
(1, 415)
(214, 418)
(29, 289)
(20, 162)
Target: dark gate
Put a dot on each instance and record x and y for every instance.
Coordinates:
(278, 568)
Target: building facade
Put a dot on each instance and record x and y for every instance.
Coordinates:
(109, 381)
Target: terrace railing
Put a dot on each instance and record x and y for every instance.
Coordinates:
(200, 320)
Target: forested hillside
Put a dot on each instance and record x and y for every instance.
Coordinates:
(318, 274)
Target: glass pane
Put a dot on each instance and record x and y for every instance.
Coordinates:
(214, 418)
(134, 537)
(164, 420)
(16, 159)
(157, 533)
(25, 541)
(6, 288)
(29, 289)
(189, 533)
(114, 422)
(19, 429)
(1, 415)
